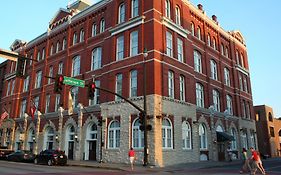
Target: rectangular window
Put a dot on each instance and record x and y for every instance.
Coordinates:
(38, 56)
(26, 84)
(169, 44)
(245, 85)
(38, 79)
(43, 54)
(76, 66)
(22, 108)
(96, 60)
(74, 41)
(13, 87)
(36, 103)
(171, 92)
(57, 102)
(135, 8)
(229, 104)
(94, 30)
(50, 74)
(47, 106)
(120, 48)
(64, 44)
(133, 83)
(134, 43)
(180, 50)
(241, 82)
(8, 88)
(226, 77)
(182, 88)
(199, 95)
(118, 88)
(60, 68)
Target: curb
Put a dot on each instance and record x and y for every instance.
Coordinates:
(96, 166)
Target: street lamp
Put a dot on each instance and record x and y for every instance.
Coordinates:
(145, 154)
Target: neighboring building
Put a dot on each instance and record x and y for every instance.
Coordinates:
(198, 89)
(268, 131)
(3, 67)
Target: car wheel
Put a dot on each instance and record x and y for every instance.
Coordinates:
(50, 162)
(36, 161)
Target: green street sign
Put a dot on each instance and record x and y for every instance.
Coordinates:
(73, 81)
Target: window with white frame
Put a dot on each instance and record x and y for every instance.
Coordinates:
(94, 29)
(121, 14)
(57, 102)
(226, 77)
(76, 66)
(233, 143)
(26, 84)
(216, 100)
(96, 99)
(38, 79)
(82, 35)
(64, 44)
(49, 138)
(186, 135)
(171, 85)
(169, 44)
(47, 103)
(57, 47)
(39, 55)
(167, 9)
(199, 33)
(114, 134)
(197, 61)
(214, 43)
(214, 70)
(253, 139)
(222, 49)
(178, 16)
(102, 25)
(229, 105)
(135, 8)
(120, 48)
(74, 96)
(50, 74)
(43, 53)
(133, 83)
(203, 137)
(167, 134)
(13, 87)
(22, 108)
(138, 135)
(96, 58)
(182, 88)
(8, 88)
(245, 85)
(199, 95)
(60, 68)
(134, 43)
(74, 40)
(118, 86)
(180, 50)
(244, 140)
(192, 29)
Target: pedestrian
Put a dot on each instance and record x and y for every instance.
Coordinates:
(259, 164)
(255, 159)
(229, 153)
(246, 166)
(131, 155)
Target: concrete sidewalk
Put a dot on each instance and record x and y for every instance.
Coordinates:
(140, 168)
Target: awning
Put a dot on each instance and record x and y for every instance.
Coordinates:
(223, 137)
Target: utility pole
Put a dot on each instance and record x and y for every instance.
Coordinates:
(145, 153)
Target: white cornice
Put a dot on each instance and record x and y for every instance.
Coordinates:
(241, 69)
(179, 29)
(127, 25)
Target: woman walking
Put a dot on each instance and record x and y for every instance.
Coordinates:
(246, 166)
(131, 155)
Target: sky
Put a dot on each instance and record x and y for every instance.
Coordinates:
(259, 21)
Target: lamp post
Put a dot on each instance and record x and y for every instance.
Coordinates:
(145, 154)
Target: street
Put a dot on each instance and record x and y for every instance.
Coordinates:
(272, 167)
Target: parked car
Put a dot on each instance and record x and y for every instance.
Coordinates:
(21, 156)
(51, 157)
(4, 153)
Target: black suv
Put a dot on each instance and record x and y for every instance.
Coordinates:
(51, 157)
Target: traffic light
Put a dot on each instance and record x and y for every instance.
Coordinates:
(141, 120)
(58, 84)
(21, 63)
(91, 90)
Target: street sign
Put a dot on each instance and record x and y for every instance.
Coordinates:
(73, 81)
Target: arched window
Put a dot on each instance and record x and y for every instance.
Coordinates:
(222, 49)
(74, 40)
(233, 142)
(96, 58)
(202, 136)
(216, 100)
(135, 8)
(114, 134)
(138, 135)
(199, 95)
(49, 138)
(214, 70)
(30, 140)
(214, 43)
(242, 59)
(57, 47)
(229, 104)
(226, 76)
(171, 84)
(167, 134)
(167, 9)
(82, 35)
(209, 39)
(237, 57)
(253, 139)
(244, 140)
(121, 14)
(186, 135)
(192, 29)
(270, 118)
(197, 61)
(226, 51)
(178, 16)
(102, 25)
(75, 66)
(64, 44)
(74, 96)
(169, 44)
(94, 29)
(199, 33)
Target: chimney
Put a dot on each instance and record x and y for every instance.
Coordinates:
(215, 19)
(200, 7)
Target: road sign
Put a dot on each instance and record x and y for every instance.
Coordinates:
(73, 82)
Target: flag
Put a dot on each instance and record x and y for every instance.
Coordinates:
(70, 104)
(32, 111)
(4, 115)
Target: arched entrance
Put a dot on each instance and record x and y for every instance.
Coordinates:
(220, 145)
(91, 142)
(49, 138)
(69, 141)
(30, 141)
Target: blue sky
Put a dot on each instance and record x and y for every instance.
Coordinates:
(259, 22)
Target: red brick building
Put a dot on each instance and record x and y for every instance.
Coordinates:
(268, 131)
(197, 84)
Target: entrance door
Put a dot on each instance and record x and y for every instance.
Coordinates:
(70, 150)
(221, 151)
(92, 150)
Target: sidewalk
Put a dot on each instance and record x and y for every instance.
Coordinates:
(140, 168)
